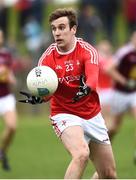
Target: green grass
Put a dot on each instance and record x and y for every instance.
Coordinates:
(123, 146)
(37, 153)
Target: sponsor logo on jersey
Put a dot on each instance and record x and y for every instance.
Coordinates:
(58, 67)
(69, 79)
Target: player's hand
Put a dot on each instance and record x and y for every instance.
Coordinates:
(131, 84)
(31, 99)
(84, 90)
(4, 74)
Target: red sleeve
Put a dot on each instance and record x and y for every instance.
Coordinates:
(92, 71)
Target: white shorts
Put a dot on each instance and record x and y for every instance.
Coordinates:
(122, 102)
(7, 103)
(94, 128)
(105, 96)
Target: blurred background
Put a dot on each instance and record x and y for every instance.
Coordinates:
(36, 152)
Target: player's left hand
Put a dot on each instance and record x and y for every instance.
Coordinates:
(84, 90)
(31, 99)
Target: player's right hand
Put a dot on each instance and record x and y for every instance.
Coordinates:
(31, 99)
(84, 90)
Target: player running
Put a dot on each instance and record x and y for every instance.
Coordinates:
(7, 101)
(123, 71)
(75, 107)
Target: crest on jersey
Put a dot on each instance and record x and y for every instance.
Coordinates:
(58, 67)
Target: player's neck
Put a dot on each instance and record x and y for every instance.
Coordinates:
(69, 48)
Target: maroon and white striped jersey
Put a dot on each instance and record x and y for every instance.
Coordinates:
(82, 59)
(6, 60)
(125, 59)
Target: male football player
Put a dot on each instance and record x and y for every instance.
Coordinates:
(75, 107)
(123, 72)
(7, 102)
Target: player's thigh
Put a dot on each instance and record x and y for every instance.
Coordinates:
(133, 105)
(102, 156)
(74, 141)
(9, 110)
(10, 119)
(134, 112)
(117, 120)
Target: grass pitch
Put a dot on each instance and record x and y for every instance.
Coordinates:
(36, 153)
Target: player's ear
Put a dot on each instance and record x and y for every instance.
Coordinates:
(74, 29)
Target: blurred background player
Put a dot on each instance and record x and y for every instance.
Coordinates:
(7, 101)
(123, 71)
(89, 23)
(129, 12)
(105, 82)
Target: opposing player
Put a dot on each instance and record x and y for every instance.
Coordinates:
(7, 102)
(75, 107)
(123, 71)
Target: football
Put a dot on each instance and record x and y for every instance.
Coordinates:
(42, 81)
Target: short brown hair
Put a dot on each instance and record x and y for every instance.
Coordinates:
(69, 13)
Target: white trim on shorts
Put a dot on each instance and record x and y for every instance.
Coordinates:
(7, 103)
(94, 128)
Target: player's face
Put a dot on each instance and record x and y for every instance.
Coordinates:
(63, 35)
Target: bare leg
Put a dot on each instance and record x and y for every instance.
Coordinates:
(114, 126)
(74, 142)
(103, 160)
(134, 115)
(10, 129)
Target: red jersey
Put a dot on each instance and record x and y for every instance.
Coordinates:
(82, 59)
(6, 60)
(105, 80)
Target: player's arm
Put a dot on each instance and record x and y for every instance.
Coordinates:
(12, 78)
(113, 72)
(31, 99)
(92, 73)
(88, 83)
(118, 77)
(84, 90)
(6, 75)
